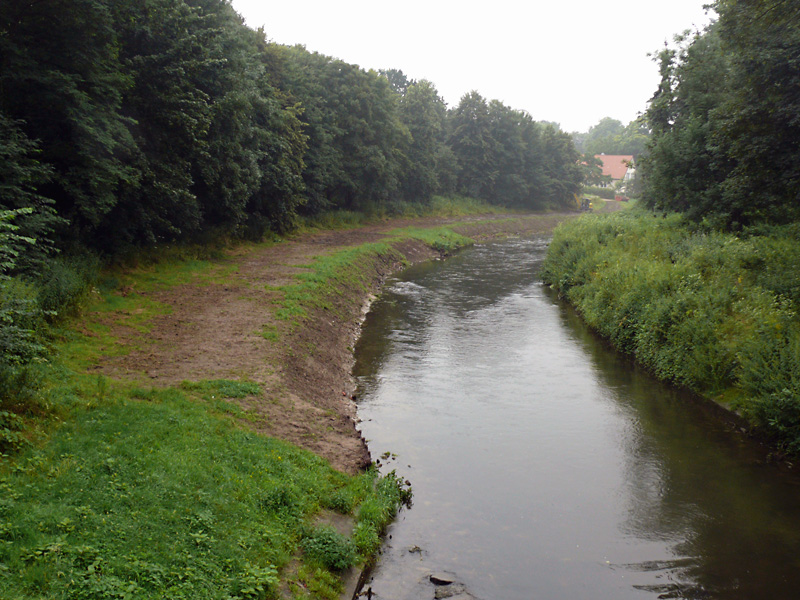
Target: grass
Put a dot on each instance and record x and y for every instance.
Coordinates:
(345, 270)
(146, 493)
(439, 206)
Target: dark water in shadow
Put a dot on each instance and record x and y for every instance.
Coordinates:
(544, 466)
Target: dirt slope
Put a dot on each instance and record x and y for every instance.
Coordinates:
(215, 331)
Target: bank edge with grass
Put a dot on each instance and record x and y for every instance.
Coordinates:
(114, 490)
(713, 312)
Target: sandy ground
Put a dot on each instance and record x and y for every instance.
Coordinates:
(215, 331)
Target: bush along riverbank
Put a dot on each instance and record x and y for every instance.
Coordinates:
(714, 312)
(188, 429)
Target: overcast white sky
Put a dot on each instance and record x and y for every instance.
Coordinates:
(572, 62)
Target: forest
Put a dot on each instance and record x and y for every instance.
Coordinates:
(127, 124)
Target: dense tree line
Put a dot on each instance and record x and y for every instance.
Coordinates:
(726, 118)
(130, 123)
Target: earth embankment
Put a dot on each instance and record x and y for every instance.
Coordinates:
(230, 328)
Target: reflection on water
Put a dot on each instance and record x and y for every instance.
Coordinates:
(545, 466)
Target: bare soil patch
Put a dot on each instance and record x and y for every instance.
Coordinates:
(216, 331)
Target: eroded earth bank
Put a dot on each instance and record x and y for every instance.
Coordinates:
(228, 329)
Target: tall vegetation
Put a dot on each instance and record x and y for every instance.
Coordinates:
(610, 136)
(726, 118)
(704, 309)
(139, 123)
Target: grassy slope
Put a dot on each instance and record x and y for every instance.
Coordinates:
(127, 492)
(710, 311)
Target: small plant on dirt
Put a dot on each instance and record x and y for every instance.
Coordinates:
(223, 388)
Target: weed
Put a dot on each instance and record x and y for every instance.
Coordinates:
(324, 545)
(224, 388)
(157, 499)
(270, 333)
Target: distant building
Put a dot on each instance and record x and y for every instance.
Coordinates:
(619, 167)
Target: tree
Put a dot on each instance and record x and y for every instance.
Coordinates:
(593, 170)
(562, 175)
(685, 168)
(726, 118)
(609, 136)
(398, 80)
(423, 112)
(601, 135)
(760, 114)
(512, 184)
(474, 146)
(60, 81)
(253, 146)
(356, 141)
(21, 175)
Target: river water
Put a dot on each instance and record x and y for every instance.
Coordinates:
(545, 466)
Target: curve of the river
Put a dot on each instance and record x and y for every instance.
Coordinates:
(545, 466)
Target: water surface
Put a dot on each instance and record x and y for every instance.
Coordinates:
(543, 465)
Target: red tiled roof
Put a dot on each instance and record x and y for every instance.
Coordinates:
(615, 164)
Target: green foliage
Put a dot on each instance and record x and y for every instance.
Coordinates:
(162, 499)
(607, 193)
(706, 310)
(128, 125)
(224, 388)
(20, 318)
(724, 119)
(339, 273)
(609, 136)
(423, 112)
(506, 158)
(355, 137)
(64, 281)
(378, 510)
(331, 549)
(34, 217)
(12, 437)
(21, 342)
(63, 84)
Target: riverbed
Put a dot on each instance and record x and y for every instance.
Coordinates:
(543, 464)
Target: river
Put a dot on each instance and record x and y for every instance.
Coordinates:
(546, 466)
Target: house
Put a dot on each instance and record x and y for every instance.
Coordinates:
(619, 167)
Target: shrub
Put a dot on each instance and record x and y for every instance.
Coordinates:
(65, 281)
(328, 547)
(21, 344)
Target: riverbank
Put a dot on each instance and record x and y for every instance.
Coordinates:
(139, 473)
(706, 310)
(262, 323)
